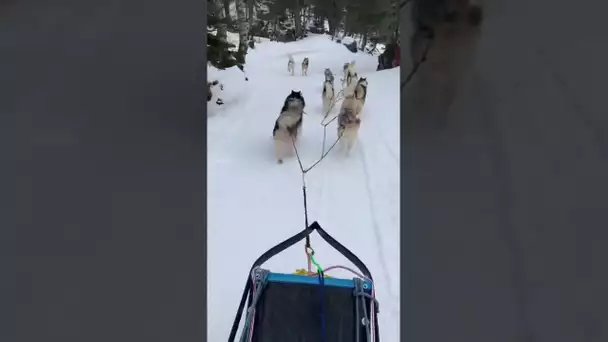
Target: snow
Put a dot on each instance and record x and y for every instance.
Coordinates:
(255, 203)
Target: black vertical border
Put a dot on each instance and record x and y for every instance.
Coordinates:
(204, 112)
(407, 254)
(202, 78)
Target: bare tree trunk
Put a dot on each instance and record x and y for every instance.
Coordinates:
(215, 7)
(221, 32)
(297, 17)
(241, 12)
(250, 4)
(308, 14)
(364, 42)
(227, 15)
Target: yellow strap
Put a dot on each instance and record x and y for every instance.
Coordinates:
(301, 271)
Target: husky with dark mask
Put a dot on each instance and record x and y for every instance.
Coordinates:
(288, 126)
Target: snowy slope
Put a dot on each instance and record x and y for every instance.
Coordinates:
(254, 203)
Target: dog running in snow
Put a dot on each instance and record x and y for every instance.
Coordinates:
(291, 65)
(356, 99)
(349, 70)
(305, 67)
(288, 126)
(328, 96)
(348, 125)
(352, 80)
(360, 94)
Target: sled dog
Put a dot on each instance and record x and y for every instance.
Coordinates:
(305, 67)
(288, 126)
(351, 83)
(360, 94)
(348, 69)
(294, 95)
(329, 76)
(348, 125)
(328, 96)
(291, 65)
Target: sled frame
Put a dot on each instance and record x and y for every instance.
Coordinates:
(248, 291)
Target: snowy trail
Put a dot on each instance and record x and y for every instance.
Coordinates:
(254, 203)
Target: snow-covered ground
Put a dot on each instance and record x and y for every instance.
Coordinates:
(254, 203)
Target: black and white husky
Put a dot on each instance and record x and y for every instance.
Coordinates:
(291, 65)
(288, 126)
(305, 67)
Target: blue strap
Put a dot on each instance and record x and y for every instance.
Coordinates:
(322, 305)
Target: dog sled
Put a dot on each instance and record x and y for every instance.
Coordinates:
(307, 305)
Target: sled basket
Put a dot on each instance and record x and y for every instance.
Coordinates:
(293, 307)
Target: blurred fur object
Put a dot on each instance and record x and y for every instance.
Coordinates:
(452, 28)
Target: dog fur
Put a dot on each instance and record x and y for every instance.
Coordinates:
(328, 96)
(352, 80)
(348, 126)
(288, 126)
(353, 104)
(291, 65)
(360, 94)
(305, 63)
(349, 70)
(329, 76)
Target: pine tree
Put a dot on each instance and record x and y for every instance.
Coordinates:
(243, 30)
(220, 53)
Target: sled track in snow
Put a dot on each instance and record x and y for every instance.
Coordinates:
(376, 225)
